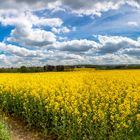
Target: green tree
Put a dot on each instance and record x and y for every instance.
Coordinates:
(23, 69)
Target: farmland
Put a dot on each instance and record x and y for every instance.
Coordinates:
(88, 104)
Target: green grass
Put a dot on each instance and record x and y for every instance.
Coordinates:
(4, 134)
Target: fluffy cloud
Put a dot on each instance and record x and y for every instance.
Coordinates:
(96, 7)
(61, 30)
(133, 24)
(31, 37)
(75, 45)
(24, 22)
(112, 44)
(44, 39)
(132, 52)
(115, 59)
(80, 7)
(19, 51)
(75, 52)
(15, 18)
(25, 34)
(23, 4)
(118, 50)
(18, 56)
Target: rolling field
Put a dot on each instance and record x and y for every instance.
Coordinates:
(77, 105)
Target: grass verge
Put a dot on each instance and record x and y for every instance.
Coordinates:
(4, 133)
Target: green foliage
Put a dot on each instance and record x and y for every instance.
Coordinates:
(23, 69)
(4, 134)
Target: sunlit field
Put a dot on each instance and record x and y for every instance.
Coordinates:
(87, 104)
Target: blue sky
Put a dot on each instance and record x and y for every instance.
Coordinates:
(54, 32)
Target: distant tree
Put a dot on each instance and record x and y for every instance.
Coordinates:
(23, 69)
(49, 68)
(60, 68)
(45, 68)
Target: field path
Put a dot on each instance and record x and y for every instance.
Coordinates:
(19, 131)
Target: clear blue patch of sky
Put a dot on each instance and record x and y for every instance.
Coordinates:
(5, 31)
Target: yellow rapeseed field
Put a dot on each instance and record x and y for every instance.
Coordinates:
(85, 104)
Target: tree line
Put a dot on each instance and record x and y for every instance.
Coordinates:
(47, 68)
(58, 68)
